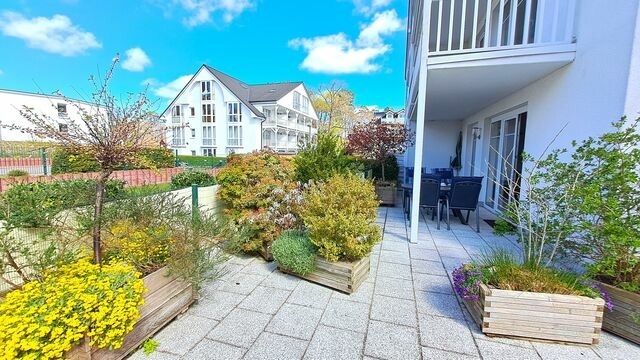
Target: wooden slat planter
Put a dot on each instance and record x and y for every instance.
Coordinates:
(386, 193)
(342, 276)
(537, 316)
(167, 297)
(624, 320)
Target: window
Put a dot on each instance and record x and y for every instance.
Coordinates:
(193, 153)
(207, 90)
(208, 135)
(208, 113)
(208, 152)
(178, 136)
(62, 109)
(63, 127)
(235, 135)
(175, 114)
(235, 112)
(193, 111)
(296, 100)
(305, 104)
(193, 133)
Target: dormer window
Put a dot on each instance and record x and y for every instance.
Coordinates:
(305, 104)
(296, 100)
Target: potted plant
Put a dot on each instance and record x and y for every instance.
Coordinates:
(377, 141)
(605, 204)
(530, 297)
(339, 232)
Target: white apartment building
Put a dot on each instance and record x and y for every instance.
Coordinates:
(390, 116)
(216, 114)
(57, 108)
(509, 75)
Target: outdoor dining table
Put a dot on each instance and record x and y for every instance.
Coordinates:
(407, 193)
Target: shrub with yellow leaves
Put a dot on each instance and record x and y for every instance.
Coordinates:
(45, 319)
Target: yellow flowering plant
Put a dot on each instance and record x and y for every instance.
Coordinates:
(45, 319)
(145, 246)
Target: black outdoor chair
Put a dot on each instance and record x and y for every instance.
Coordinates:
(445, 173)
(430, 195)
(464, 195)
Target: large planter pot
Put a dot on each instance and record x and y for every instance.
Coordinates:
(537, 316)
(624, 319)
(167, 297)
(386, 193)
(342, 276)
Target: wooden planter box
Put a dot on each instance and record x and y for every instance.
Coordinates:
(342, 276)
(386, 193)
(537, 316)
(624, 320)
(167, 297)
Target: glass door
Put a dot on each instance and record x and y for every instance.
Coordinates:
(505, 147)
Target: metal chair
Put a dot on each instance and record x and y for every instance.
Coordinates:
(430, 195)
(464, 196)
(445, 173)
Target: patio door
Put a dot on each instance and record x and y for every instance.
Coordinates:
(504, 164)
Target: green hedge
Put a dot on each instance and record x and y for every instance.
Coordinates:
(65, 162)
(391, 168)
(188, 178)
(293, 251)
(36, 204)
(201, 161)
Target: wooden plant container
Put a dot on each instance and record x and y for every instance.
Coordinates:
(342, 276)
(386, 193)
(166, 298)
(624, 320)
(537, 316)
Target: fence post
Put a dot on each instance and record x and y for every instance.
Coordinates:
(43, 154)
(194, 201)
(176, 161)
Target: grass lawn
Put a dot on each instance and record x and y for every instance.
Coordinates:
(201, 161)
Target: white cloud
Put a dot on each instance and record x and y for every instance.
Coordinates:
(200, 12)
(169, 90)
(150, 82)
(337, 54)
(368, 7)
(136, 60)
(55, 35)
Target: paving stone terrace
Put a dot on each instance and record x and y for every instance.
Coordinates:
(405, 310)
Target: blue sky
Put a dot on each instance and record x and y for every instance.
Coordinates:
(56, 44)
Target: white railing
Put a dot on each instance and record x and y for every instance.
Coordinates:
(208, 142)
(458, 26)
(176, 119)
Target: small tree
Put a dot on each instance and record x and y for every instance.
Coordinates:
(111, 130)
(376, 141)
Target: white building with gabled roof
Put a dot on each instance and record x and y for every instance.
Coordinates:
(216, 114)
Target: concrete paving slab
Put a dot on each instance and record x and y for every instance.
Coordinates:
(295, 321)
(390, 341)
(183, 333)
(265, 300)
(393, 310)
(346, 315)
(332, 343)
(276, 347)
(240, 328)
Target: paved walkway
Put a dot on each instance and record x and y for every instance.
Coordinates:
(405, 310)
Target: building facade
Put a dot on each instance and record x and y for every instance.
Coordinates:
(390, 116)
(216, 115)
(514, 76)
(58, 109)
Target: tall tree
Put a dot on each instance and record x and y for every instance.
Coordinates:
(110, 129)
(334, 103)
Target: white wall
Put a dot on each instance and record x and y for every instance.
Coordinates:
(440, 138)
(586, 95)
(287, 101)
(11, 102)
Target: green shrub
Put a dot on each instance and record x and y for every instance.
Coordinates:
(294, 252)
(64, 161)
(391, 169)
(17, 173)
(322, 160)
(190, 177)
(340, 215)
(36, 204)
(250, 186)
(201, 161)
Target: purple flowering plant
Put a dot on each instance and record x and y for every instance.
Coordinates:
(466, 281)
(608, 303)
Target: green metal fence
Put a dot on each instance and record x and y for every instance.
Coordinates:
(25, 157)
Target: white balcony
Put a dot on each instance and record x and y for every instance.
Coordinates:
(208, 142)
(176, 119)
(479, 51)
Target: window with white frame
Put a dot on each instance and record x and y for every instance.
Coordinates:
(62, 109)
(208, 152)
(175, 113)
(192, 110)
(305, 104)
(178, 136)
(208, 135)
(207, 90)
(208, 113)
(193, 133)
(234, 112)
(296, 100)
(235, 135)
(63, 127)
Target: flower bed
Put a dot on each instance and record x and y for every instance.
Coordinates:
(166, 298)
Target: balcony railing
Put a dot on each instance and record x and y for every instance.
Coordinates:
(207, 142)
(460, 26)
(176, 119)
